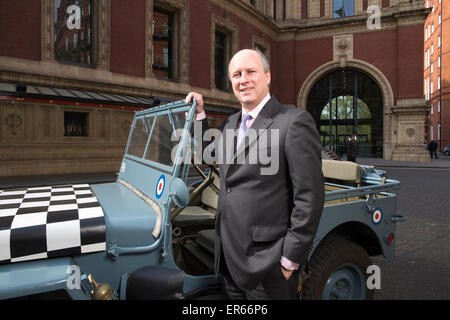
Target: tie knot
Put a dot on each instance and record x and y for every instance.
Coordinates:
(246, 117)
(243, 129)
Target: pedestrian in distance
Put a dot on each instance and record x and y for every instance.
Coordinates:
(351, 148)
(265, 224)
(432, 147)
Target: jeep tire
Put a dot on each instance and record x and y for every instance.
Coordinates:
(338, 272)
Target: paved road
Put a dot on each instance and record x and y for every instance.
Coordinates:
(421, 268)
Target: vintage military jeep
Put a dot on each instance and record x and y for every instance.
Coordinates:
(150, 234)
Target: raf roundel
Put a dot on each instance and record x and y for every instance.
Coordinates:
(377, 216)
(160, 186)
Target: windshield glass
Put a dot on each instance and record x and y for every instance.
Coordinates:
(155, 138)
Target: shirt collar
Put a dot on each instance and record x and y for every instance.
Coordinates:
(254, 113)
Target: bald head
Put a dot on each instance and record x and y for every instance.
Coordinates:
(250, 77)
(256, 53)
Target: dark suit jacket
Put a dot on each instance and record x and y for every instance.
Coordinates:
(263, 217)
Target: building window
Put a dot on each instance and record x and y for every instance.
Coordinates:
(343, 8)
(75, 124)
(439, 105)
(261, 49)
(75, 40)
(262, 46)
(224, 39)
(73, 18)
(221, 50)
(163, 41)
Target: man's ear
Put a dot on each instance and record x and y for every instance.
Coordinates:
(268, 77)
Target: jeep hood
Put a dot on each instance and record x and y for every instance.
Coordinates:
(130, 219)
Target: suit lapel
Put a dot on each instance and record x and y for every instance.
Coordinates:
(231, 125)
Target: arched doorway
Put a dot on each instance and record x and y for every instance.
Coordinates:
(345, 102)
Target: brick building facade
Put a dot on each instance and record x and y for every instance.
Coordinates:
(437, 72)
(355, 65)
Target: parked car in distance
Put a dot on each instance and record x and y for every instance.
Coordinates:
(447, 150)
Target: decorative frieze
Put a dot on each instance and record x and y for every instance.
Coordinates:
(343, 48)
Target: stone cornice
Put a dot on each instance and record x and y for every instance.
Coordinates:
(41, 74)
(405, 13)
(391, 18)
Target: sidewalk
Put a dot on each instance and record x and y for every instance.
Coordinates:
(442, 162)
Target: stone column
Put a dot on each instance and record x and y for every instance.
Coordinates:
(374, 2)
(329, 8)
(358, 7)
(408, 136)
(313, 8)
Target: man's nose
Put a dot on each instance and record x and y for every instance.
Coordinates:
(244, 77)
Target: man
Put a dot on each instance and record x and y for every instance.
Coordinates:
(265, 224)
(351, 148)
(432, 147)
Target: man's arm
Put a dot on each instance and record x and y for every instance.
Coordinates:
(303, 153)
(200, 125)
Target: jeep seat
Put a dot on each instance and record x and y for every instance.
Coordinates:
(206, 239)
(194, 216)
(198, 215)
(342, 171)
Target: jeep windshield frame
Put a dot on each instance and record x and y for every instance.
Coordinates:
(158, 136)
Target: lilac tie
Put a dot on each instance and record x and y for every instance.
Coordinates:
(242, 130)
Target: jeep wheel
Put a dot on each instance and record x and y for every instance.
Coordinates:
(338, 272)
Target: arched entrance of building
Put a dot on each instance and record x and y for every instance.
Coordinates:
(344, 102)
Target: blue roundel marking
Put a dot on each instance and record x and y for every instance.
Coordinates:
(160, 186)
(377, 216)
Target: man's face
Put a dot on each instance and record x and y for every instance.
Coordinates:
(250, 82)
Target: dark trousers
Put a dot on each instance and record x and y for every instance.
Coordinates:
(431, 154)
(273, 287)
